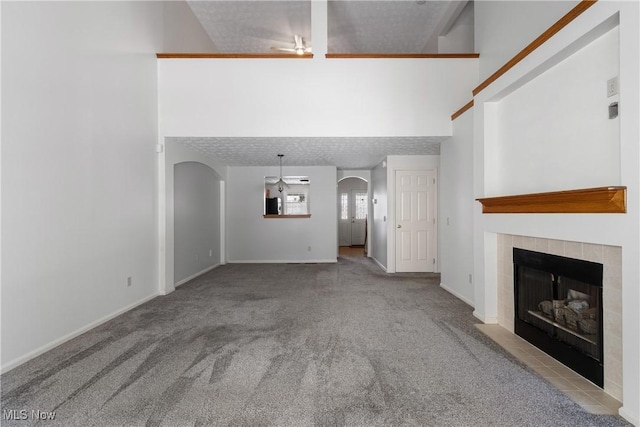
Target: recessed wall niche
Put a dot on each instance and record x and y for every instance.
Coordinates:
(529, 150)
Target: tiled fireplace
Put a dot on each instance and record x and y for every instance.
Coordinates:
(611, 259)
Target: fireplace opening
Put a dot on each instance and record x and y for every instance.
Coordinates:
(558, 308)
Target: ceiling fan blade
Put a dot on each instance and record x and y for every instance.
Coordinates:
(282, 183)
(283, 49)
(299, 46)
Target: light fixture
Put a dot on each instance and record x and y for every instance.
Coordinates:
(299, 45)
(281, 184)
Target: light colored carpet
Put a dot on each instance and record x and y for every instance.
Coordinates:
(293, 345)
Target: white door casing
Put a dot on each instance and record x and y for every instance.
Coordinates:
(415, 221)
(344, 219)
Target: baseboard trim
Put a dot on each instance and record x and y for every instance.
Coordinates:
(193, 276)
(55, 343)
(485, 320)
(379, 264)
(635, 420)
(457, 295)
(284, 261)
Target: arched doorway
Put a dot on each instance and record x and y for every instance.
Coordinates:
(197, 220)
(353, 212)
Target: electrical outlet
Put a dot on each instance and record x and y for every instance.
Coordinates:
(308, 248)
(129, 282)
(210, 252)
(470, 278)
(612, 86)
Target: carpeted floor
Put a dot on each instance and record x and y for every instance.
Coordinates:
(292, 345)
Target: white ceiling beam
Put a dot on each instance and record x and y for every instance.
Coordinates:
(319, 29)
(449, 18)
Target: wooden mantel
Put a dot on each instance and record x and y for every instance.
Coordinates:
(587, 200)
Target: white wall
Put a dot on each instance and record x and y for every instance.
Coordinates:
(252, 238)
(312, 97)
(504, 28)
(397, 163)
(197, 225)
(182, 30)
(571, 137)
(378, 193)
(78, 167)
(606, 229)
(456, 209)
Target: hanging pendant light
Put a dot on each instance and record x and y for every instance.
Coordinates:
(281, 184)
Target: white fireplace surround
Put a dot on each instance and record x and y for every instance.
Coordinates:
(609, 256)
(519, 138)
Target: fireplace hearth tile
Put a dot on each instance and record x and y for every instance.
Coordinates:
(583, 398)
(562, 384)
(586, 394)
(600, 410)
(544, 371)
(532, 361)
(548, 361)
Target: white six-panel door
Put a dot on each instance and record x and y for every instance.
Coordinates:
(415, 221)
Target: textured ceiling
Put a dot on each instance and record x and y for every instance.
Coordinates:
(253, 26)
(354, 26)
(342, 152)
(383, 26)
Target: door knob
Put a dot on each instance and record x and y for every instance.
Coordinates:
(399, 226)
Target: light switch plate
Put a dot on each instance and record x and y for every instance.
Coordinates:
(612, 86)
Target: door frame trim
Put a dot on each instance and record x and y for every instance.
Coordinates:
(408, 163)
(363, 176)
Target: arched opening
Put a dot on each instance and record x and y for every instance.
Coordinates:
(353, 214)
(196, 220)
(171, 156)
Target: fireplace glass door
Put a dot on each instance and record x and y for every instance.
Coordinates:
(564, 308)
(558, 305)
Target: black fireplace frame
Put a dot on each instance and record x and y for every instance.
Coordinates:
(584, 271)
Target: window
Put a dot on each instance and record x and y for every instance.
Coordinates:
(296, 204)
(361, 205)
(344, 206)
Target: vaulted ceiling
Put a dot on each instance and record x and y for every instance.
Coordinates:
(398, 26)
(353, 26)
